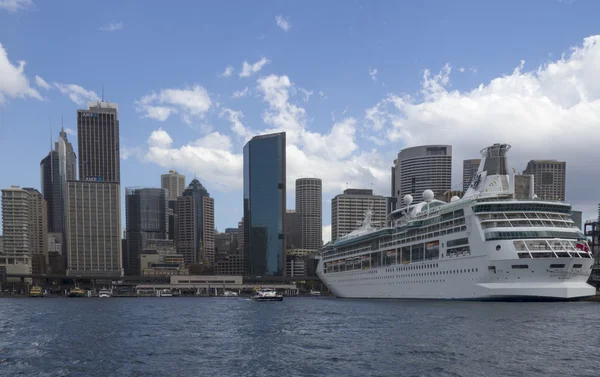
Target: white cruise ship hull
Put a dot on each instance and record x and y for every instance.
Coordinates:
(467, 279)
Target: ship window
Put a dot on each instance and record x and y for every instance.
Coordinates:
(524, 255)
(562, 254)
(557, 266)
(577, 265)
(492, 269)
(520, 266)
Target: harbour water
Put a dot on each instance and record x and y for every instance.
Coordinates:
(296, 337)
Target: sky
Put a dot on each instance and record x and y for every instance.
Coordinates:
(350, 82)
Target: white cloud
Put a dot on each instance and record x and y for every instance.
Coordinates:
(127, 152)
(16, 5)
(210, 157)
(307, 94)
(191, 103)
(373, 74)
(114, 26)
(551, 112)
(283, 23)
(13, 82)
(77, 94)
(250, 69)
(238, 128)
(240, 93)
(326, 233)
(69, 131)
(227, 72)
(42, 83)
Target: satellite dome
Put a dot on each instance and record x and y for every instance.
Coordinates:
(428, 195)
(408, 199)
(454, 198)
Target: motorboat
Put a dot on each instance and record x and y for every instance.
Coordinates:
(104, 293)
(165, 293)
(230, 294)
(315, 293)
(267, 294)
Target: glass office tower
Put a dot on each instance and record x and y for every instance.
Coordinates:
(264, 205)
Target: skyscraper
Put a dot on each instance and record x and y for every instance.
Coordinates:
(53, 183)
(427, 167)
(292, 229)
(549, 178)
(98, 142)
(15, 230)
(348, 211)
(174, 183)
(309, 205)
(94, 229)
(38, 231)
(264, 205)
(470, 168)
(146, 219)
(195, 224)
(65, 151)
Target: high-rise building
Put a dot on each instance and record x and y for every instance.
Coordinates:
(15, 229)
(94, 229)
(426, 167)
(174, 183)
(98, 142)
(470, 168)
(348, 211)
(264, 205)
(66, 153)
(146, 219)
(195, 224)
(309, 199)
(38, 231)
(53, 183)
(549, 178)
(292, 229)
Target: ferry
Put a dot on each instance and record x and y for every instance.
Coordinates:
(267, 294)
(487, 245)
(36, 291)
(76, 292)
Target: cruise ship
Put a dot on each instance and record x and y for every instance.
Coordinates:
(486, 245)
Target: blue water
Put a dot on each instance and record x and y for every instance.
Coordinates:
(296, 337)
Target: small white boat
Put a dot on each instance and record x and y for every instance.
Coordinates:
(230, 294)
(165, 293)
(267, 294)
(104, 293)
(315, 293)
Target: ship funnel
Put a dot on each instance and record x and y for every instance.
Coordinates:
(492, 177)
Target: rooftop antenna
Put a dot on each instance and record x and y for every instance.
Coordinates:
(102, 92)
(62, 124)
(51, 137)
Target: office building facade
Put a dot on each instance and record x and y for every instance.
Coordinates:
(265, 205)
(173, 182)
(146, 218)
(427, 167)
(470, 168)
(195, 224)
(98, 142)
(15, 230)
(292, 229)
(94, 229)
(348, 211)
(309, 199)
(38, 231)
(549, 178)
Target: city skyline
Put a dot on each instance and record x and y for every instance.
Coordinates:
(262, 86)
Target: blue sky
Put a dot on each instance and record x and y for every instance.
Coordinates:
(351, 82)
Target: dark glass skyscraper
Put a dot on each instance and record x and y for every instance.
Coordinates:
(53, 191)
(146, 219)
(264, 205)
